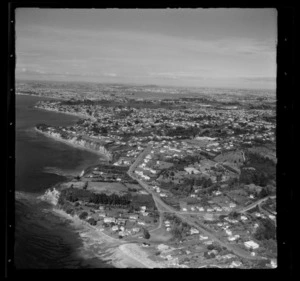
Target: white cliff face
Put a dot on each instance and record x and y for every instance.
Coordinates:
(80, 142)
(51, 196)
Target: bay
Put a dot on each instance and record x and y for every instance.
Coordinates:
(42, 239)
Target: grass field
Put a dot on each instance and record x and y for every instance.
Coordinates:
(107, 187)
(160, 235)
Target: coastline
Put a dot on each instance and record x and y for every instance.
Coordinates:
(37, 96)
(74, 145)
(68, 113)
(97, 244)
(120, 254)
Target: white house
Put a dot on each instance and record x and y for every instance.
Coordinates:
(108, 220)
(273, 263)
(272, 217)
(136, 229)
(251, 244)
(115, 228)
(133, 217)
(194, 231)
(235, 264)
(233, 238)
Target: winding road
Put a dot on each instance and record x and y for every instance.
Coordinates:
(254, 204)
(162, 207)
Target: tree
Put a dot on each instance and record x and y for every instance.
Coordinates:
(146, 233)
(83, 215)
(85, 185)
(266, 230)
(92, 221)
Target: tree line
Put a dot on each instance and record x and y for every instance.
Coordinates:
(74, 194)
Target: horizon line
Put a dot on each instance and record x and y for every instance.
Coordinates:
(143, 85)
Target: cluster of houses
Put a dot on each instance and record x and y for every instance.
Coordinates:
(122, 226)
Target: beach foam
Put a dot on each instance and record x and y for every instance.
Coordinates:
(96, 244)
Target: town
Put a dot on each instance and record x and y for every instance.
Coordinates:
(189, 174)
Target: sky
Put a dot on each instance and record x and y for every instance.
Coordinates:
(233, 48)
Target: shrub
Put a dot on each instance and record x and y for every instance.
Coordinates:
(83, 215)
(266, 230)
(146, 234)
(92, 221)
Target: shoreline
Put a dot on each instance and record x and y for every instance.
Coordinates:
(37, 96)
(73, 145)
(120, 254)
(82, 116)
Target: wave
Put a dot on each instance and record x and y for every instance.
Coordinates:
(59, 172)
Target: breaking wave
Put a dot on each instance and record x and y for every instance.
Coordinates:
(59, 172)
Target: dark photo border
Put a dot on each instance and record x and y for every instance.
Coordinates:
(285, 142)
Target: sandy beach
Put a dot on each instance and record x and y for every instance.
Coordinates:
(97, 244)
(137, 253)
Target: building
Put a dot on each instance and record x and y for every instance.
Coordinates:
(115, 228)
(235, 264)
(194, 231)
(109, 220)
(133, 217)
(136, 229)
(251, 245)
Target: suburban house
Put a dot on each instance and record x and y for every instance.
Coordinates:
(251, 244)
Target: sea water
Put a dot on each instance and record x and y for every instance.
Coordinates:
(44, 239)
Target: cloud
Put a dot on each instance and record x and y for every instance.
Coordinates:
(110, 74)
(177, 75)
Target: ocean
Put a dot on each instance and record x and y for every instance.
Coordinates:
(44, 239)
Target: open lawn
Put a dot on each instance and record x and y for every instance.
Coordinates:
(160, 235)
(107, 187)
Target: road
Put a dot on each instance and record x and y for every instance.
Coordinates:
(162, 207)
(254, 204)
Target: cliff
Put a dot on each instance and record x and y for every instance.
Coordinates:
(77, 141)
